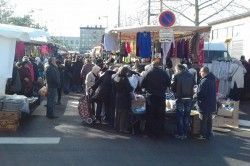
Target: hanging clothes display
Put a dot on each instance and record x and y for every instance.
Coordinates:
(44, 50)
(221, 72)
(144, 43)
(20, 50)
(166, 47)
(127, 47)
(201, 54)
(123, 51)
(110, 42)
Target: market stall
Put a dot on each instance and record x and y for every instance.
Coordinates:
(149, 42)
(14, 104)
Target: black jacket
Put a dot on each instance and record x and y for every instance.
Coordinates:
(156, 81)
(183, 85)
(206, 94)
(123, 91)
(103, 86)
(53, 77)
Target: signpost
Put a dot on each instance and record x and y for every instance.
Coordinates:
(166, 35)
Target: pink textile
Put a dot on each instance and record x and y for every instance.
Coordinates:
(128, 48)
(44, 49)
(20, 50)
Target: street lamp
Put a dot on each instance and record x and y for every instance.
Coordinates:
(107, 20)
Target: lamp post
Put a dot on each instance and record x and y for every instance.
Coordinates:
(119, 13)
(107, 20)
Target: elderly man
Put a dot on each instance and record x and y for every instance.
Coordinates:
(53, 82)
(206, 96)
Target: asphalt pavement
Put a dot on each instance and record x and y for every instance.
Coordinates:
(80, 145)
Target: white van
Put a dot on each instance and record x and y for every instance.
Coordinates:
(215, 51)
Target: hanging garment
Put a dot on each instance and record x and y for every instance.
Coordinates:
(20, 50)
(201, 56)
(123, 51)
(44, 50)
(128, 48)
(133, 47)
(110, 42)
(186, 49)
(144, 44)
(166, 46)
(237, 71)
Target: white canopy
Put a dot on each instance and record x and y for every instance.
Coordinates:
(156, 28)
(23, 33)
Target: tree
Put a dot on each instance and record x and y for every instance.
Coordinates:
(7, 17)
(60, 43)
(200, 11)
(5, 12)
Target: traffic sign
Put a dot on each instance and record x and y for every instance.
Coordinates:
(167, 18)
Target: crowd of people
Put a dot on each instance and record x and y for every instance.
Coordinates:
(111, 90)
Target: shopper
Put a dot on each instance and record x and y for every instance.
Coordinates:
(183, 87)
(61, 71)
(53, 82)
(86, 68)
(206, 96)
(103, 91)
(67, 76)
(123, 99)
(155, 82)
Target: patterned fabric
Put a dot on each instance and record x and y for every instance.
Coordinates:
(84, 109)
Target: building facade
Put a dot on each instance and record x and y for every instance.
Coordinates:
(90, 37)
(233, 31)
(72, 42)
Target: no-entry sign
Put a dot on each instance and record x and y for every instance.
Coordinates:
(167, 18)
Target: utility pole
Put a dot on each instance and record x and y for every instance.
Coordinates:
(119, 13)
(153, 4)
(149, 11)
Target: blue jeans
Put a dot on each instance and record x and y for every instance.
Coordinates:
(183, 115)
(52, 92)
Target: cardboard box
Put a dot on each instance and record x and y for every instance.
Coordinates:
(9, 120)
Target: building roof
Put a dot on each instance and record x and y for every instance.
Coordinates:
(156, 28)
(232, 18)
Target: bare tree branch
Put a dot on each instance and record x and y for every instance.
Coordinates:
(204, 3)
(208, 5)
(190, 3)
(183, 15)
(217, 12)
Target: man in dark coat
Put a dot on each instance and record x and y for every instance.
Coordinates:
(53, 82)
(206, 96)
(103, 91)
(123, 99)
(183, 87)
(156, 81)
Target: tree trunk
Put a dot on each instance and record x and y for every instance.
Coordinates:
(197, 12)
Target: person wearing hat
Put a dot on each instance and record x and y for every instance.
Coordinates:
(53, 82)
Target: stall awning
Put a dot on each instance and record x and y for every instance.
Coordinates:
(25, 34)
(156, 28)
